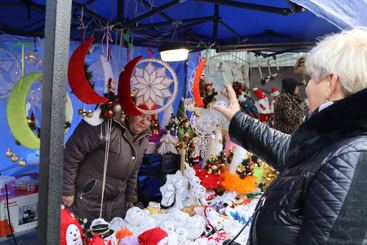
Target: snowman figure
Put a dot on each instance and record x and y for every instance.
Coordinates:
(73, 235)
(71, 232)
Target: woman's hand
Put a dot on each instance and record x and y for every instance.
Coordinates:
(233, 107)
(68, 200)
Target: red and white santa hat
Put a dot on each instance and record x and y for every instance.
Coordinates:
(259, 93)
(274, 92)
(152, 236)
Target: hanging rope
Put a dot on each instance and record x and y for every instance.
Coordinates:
(107, 37)
(81, 25)
(105, 163)
(259, 66)
(277, 66)
(270, 76)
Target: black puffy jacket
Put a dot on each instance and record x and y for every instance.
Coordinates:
(318, 197)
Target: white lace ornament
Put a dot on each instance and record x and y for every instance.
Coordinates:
(152, 85)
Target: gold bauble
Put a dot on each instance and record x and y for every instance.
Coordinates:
(21, 162)
(89, 114)
(80, 111)
(241, 168)
(8, 153)
(14, 158)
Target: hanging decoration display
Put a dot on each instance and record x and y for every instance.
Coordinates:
(77, 78)
(16, 112)
(152, 84)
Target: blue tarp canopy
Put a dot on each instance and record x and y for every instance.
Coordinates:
(197, 24)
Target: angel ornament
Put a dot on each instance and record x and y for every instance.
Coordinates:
(168, 144)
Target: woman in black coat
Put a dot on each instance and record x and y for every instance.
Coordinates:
(319, 196)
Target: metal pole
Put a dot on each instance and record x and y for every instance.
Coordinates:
(251, 6)
(57, 34)
(153, 11)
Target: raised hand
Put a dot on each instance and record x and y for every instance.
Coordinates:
(233, 107)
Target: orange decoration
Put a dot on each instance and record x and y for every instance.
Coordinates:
(233, 182)
(196, 85)
(121, 234)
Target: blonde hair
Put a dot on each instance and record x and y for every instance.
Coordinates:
(343, 54)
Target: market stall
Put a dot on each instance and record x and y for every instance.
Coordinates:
(207, 187)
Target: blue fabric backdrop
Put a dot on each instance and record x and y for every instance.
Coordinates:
(10, 73)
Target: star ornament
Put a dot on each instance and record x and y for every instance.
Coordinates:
(151, 85)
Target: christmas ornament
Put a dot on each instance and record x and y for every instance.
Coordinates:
(204, 126)
(108, 74)
(124, 90)
(208, 93)
(81, 111)
(155, 236)
(168, 144)
(71, 233)
(77, 77)
(263, 106)
(215, 146)
(14, 158)
(151, 85)
(8, 153)
(90, 114)
(196, 85)
(31, 57)
(239, 155)
(21, 162)
(95, 119)
(208, 179)
(16, 112)
(274, 95)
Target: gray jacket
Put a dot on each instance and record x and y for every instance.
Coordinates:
(83, 169)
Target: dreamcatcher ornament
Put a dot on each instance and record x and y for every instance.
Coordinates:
(152, 84)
